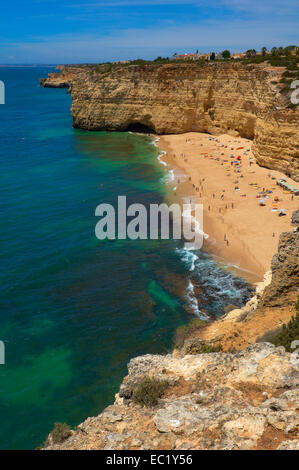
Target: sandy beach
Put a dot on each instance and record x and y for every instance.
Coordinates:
(223, 174)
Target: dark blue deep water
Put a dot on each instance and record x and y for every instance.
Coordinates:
(73, 309)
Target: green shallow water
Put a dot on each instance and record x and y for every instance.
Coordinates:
(73, 309)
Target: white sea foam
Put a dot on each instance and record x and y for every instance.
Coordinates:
(169, 178)
(159, 158)
(189, 257)
(194, 222)
(193, 302)
(187, 254)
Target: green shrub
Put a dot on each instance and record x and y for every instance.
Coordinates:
(60, 433)
(291, 73)
(285, 90)
(148, 391)
(292, 66)
(287, 81)
(289, 332)
(209, 348)
(185, 331)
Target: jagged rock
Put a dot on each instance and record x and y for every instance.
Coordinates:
(243, 432)
(285, 271)
(289, 445)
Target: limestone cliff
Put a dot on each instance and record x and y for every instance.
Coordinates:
(285, 271)
(175, 98)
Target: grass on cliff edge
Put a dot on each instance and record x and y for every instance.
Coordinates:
(289, 332)
(148, 391)
(60, 433)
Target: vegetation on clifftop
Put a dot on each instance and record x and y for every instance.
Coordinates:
(289, 332)
(148, 391)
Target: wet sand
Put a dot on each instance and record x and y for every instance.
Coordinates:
(223, 174)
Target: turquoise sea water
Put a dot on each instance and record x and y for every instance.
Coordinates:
(73, 309)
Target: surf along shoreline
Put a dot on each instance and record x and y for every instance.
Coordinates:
(222, 174)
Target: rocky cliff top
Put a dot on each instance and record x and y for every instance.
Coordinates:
(248, 400)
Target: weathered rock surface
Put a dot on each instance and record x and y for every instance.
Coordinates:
(246, 400)
(61, 80)
(285, 271)
(295, 217)
(176, 98)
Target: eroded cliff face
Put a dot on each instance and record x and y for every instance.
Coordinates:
(177, 98)
(285, 272)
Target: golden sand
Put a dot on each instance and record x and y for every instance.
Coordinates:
(241, 231)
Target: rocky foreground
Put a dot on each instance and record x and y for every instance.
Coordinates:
(248, 400)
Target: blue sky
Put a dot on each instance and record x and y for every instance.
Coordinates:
(69, 31)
